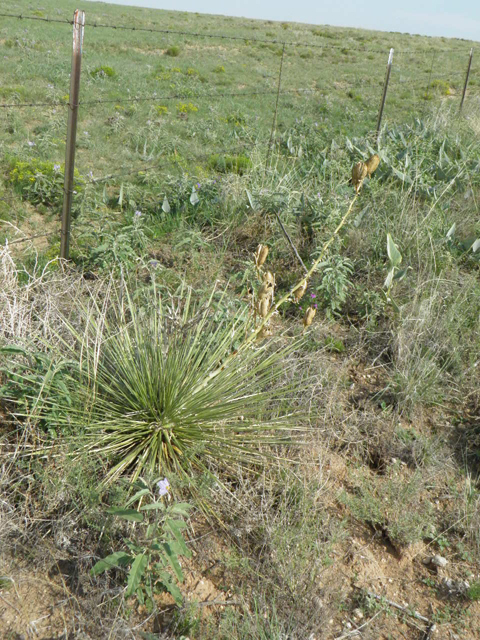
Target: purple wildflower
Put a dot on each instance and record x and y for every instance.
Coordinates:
(163, 487)
(56, 167)
(31, 144)
(137, 214)
(313, 295)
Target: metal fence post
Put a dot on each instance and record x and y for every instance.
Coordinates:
(466, 78)
(384, 95)
(78, 26)
(274, 123)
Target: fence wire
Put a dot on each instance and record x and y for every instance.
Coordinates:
(155, 98)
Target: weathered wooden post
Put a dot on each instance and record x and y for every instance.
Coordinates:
(384, 95)
(78, 26)
(466, 78)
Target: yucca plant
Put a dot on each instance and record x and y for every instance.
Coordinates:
(152, 384)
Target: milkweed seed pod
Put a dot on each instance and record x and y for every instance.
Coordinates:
(372, 163)
(309, 316)
(263, 307)
(359, 173)
(260, 255)
(268, 277)
(265, 291)
(300, 292)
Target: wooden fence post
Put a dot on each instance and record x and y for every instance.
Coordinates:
(384, 95)
(466, 79)
(78, 26)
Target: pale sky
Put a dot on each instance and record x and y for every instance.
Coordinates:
(449, 18)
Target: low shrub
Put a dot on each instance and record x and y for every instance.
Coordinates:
(173, 51)
(229, 164)
(103, 72)
(40, 182)
(186, 107)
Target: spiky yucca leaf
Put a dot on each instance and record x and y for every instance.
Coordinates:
(151, 392)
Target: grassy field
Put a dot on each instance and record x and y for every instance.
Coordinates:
(291, 480)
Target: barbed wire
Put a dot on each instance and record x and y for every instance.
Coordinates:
(40, 18)
(155, 98)
(358, 49)
(21, 105)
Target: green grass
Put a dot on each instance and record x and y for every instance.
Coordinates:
(174, 194)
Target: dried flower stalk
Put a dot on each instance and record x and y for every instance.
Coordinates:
(260, 255)
(309, 316)
(372, 163)
(359, 173)
(300, 292)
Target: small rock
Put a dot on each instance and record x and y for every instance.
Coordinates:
(439, 561)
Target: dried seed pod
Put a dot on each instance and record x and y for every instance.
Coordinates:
(268, 277)
(300, 292)
(263, 307)
(265, 291)
(372, 163)
(264, 333)
(309, 316)
(260, 255)
(359, 173)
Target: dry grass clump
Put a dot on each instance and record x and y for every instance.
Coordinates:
(33, 302)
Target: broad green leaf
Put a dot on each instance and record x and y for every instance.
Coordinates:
(476, 245)
(117, 559)
(250, 199)
(13, 349)
(120, 197)
(176, 527)
(154, 506)
(389, 279)
(166, 205)
(168, 583)
(194, 199)
(136, 573)
(173, 560)
(139, 494)
(468, 243)
(180, 508)
(400, 274)
(451, 231)
(393, 253)
(140, 596)
(126, 514)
